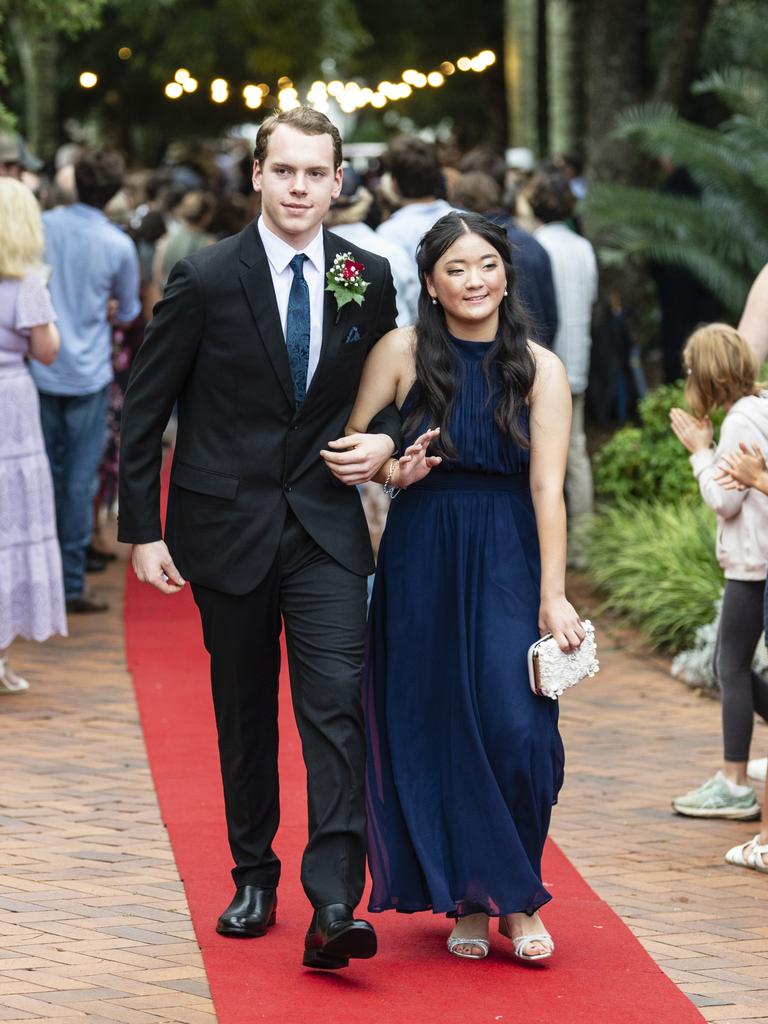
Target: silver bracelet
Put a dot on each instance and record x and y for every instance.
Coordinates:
(389, 490)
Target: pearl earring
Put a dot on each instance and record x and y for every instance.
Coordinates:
(434, 302)
(506, 293)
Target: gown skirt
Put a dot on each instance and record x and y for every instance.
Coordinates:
(31, 585)
(464, 760)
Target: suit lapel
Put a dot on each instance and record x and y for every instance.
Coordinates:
(331, 328)
(256, 280)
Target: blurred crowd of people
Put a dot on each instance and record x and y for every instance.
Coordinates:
(94, 243)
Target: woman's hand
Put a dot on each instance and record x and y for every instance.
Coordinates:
(415, 463)
(693, 434)
(742, 468)
(558, 617)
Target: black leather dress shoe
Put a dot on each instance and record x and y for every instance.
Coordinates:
(107, 556)
(85, 604)
(94, 562)
(335, 937)
(252, 910)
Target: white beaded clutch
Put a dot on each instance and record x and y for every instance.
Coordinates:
(552, 671)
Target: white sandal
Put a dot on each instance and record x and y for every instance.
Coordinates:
(8, 685)
(519, 942)
(454, 945)
(749, 855)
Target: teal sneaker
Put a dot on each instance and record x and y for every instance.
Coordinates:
(714, 799)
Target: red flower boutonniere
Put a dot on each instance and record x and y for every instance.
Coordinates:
(345, 280)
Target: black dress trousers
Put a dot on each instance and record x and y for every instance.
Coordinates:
(323, 607)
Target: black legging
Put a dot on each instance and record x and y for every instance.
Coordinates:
(743, 691)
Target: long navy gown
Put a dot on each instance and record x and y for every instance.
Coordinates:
(464, 761)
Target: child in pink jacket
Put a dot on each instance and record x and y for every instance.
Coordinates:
(722, 373)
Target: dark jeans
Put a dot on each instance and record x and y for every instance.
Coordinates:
(323, 609)
(75, 432)
(743, 691)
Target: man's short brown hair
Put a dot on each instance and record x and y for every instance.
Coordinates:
(549, 195)
(303, 119)
(476, 191)
(413, 164)
(98, 176)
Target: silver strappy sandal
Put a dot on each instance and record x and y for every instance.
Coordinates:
(455, 944)
(519, 942)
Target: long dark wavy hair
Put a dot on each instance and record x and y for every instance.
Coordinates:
(509, 366)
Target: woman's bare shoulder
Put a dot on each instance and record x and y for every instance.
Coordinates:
(549, 367)
(399, 340)
(396, 347)
(545, 358)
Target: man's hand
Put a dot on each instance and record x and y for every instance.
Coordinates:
(153, 564)
(356, 459)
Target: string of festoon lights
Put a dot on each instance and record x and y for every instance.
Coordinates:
(350, 96)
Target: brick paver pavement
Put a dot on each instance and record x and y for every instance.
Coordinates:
(635, 738)
(93, 920)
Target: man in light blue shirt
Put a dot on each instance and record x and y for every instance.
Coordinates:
(346, 218)
(94, 266)
(416, 174)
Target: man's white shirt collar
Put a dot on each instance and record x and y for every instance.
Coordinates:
(280, 253)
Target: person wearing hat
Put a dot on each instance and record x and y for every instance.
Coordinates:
(346, 217)
(15, 157)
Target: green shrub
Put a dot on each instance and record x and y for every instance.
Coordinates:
(655, 562)
(647, 462)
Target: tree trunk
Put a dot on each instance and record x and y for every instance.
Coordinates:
(521, 62)
(37, 48)
(616, 78)
(679, 66)
(562, 77)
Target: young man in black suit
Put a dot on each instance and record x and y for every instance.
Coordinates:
(264, 367)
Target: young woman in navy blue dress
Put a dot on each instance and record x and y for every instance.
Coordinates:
(465, 762)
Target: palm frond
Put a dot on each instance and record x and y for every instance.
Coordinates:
(714, 160)
(720, 236)
(645, 225)
(743, 89)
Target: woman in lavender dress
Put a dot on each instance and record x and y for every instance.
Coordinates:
(31, 587)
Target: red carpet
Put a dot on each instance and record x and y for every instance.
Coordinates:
(599, 974)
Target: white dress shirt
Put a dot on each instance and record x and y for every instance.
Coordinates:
(279, 256)
(574, 273)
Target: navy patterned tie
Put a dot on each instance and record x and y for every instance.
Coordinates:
(297, 328)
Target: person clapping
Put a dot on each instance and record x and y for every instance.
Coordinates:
(721, 374)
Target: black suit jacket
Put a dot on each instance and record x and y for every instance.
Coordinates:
(243, 452)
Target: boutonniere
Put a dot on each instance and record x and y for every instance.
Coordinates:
(345, 281)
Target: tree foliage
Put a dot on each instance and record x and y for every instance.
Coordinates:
(68, 16)
(259, 41)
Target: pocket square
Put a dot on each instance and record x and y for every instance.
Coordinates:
(352, 336)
